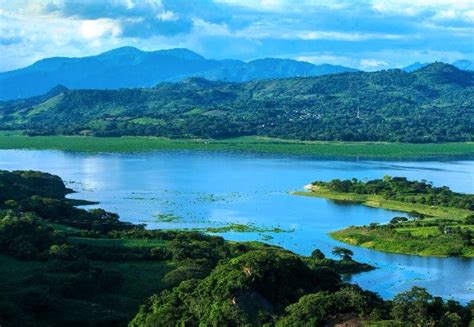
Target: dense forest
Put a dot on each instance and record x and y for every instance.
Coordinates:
(62, 265)
(432, 104)
(401, 189)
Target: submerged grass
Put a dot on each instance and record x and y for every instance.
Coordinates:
(10, 140)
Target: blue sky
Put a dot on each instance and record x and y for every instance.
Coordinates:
(366, 34)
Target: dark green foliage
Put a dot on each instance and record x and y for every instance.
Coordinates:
(418, 308)
(25, 237)
(433, 104)
(249, 289)
(18, 185)
(401, 189)
(44, 195)
(319, 308)
(344, 253)
(317, 254)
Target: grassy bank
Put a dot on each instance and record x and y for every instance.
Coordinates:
(378, 201)
(425, 237)
(423, 241)
(12, 140)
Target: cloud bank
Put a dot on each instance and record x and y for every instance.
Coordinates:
(365, 34)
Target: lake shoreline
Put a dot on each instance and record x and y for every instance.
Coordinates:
(264, 145)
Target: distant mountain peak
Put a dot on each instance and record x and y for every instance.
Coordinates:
(126, 50)
(464, 64)
(415, 66)
(439, 72)
(182, 53)
(57, 90)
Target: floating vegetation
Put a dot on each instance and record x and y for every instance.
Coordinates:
(167, 217)
(210, 197)
(243, 228)
(266, 238)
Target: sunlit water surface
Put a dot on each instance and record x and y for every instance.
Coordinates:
(209, 189)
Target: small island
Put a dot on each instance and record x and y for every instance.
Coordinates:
(440, 222)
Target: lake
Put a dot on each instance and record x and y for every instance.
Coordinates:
(214, 189)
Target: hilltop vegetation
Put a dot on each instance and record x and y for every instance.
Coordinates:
(62, 265)
(433, 104)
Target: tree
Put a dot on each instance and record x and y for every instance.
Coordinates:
(343, 253)
(413, 306)
(318, 254)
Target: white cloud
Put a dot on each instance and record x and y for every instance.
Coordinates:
(411, 7)
(287, 5)
(332, 59)
(168, 16)
(93, 29)
(450, 14)
(372, 64)
(206, 28)
(344, 36)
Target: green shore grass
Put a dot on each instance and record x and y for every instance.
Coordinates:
(414, 240)
(420, 241)
(251, 144)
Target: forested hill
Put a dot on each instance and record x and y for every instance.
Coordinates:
(432, 104)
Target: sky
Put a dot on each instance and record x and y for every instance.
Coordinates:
(366, 34)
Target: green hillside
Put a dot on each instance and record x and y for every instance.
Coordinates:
(432, 104)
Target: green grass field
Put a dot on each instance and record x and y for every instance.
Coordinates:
(14, 140)
(423, 241)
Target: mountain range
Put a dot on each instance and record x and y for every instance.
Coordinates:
(129, 67)
(431, 104)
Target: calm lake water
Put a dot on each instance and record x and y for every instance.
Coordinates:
(210, 189)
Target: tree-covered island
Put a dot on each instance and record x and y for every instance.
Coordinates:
(440, 222)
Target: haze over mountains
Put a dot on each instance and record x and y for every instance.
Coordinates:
(128, 67)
